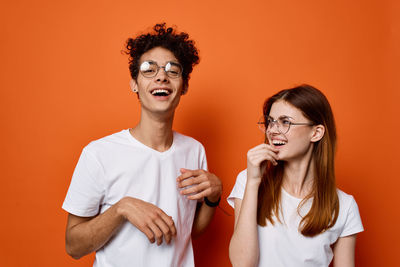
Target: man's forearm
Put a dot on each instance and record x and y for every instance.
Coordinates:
(204, 215)
(85, 235)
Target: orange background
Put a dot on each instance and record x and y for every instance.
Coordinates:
(64, 82)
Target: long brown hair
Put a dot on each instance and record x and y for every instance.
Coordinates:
(325, 204)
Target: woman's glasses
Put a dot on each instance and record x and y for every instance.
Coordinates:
(282, 123)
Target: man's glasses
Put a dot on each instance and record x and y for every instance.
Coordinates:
(149, 69)
(282, 123)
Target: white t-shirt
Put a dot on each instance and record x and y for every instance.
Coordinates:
(283, 244)
(119, 165)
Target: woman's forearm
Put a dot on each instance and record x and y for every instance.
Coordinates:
(244, 248)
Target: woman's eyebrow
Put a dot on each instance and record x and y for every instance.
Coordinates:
(284, 117)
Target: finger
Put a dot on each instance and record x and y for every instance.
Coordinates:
(265, 147)
(256, 160)
(170, 223)
(185, 175)
(262, 146)
(263, 151)
(189, 173)
(257, 147)
(187, 182)
(195, 189)
(157, 233)
(273, 155)
(266, 153)
(149, 233)
(166, 232)
(192, 181)
(183, 170)
(273, 148)
(270, 156)
(200, 195)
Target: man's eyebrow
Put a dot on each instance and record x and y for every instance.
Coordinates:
(149, 61)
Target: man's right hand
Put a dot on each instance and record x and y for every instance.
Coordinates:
(148, 218)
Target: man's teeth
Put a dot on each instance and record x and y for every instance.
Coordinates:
(160, 91)
(278, 143)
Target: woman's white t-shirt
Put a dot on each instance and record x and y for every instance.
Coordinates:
(282, 244)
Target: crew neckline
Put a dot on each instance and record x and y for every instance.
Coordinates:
(291, 196)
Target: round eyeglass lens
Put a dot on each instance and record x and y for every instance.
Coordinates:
(173, 70)
(282, 124)
(148, 69)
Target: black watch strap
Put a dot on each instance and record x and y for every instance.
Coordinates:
(212, 204)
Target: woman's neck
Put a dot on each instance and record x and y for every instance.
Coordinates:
(298, 176)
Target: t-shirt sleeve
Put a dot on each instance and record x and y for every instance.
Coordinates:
(238, 188)
(86, 191)
(203, 159)
(353, 222)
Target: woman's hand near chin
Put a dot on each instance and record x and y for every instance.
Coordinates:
(256, 156)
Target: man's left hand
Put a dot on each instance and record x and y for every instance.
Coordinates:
(199, 184)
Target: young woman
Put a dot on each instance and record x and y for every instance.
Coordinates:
(288, 211)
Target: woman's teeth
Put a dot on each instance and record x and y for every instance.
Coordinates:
(278, 143)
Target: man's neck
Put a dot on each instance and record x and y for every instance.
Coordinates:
(154, 131)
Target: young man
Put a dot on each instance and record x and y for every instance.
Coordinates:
(135, 196)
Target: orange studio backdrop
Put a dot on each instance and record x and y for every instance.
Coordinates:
(64, 82)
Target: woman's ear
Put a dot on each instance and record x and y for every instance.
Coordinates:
(318, 133)
(133, 85)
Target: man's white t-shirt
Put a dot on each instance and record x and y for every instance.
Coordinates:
(119, 165)
(282, 244)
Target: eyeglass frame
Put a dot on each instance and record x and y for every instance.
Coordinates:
(161, 67)
(275, 122)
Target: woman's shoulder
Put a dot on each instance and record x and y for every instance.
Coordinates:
(238, 188)
(349, 219)
(241, 179)
(344, 198)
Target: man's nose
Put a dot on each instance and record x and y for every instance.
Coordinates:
(162, 75)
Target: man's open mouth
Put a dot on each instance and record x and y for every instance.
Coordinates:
(161, 92)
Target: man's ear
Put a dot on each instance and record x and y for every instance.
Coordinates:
(318, 133)
(133, 85)
(184, 89)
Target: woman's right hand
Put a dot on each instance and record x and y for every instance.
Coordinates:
(256, 156)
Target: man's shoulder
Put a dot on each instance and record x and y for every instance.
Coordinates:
(181, 139)
(107, 142)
